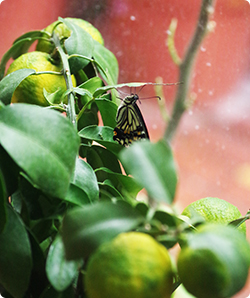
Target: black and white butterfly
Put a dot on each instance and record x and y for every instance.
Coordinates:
(130, 123)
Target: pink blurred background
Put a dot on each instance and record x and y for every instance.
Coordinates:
(213, 140)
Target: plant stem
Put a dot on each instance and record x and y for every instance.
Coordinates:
(186, 66)
(71, 112)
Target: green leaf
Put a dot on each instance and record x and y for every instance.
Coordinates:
(91, 85)
(98, 157)
(15, 256)
(108, 110)
(19, 47)
(80, 42)
(77, 196)
(107, 61)
(52, 293)
(43, 143)
(9, 83)
(84, 229)
(102, 135)
(60, 271)
(126, 185)
(9, 170)
(109, 192)
(3, 201)
(26, 40)
(85, 178)
(152, 165)
(38, 280)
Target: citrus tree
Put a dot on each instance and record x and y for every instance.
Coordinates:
(70, 221)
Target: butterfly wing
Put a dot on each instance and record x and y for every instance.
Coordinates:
(130, 124)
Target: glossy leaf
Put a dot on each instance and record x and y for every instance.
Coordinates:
(80, 42)
(109, 192)
(15, 256)
(3, 202)
(19, 47)
(77, 196)
(60, 271)
(9, 83)
(38, 280)
(102, 135)
(126, 185)
(10, 171)
(152, 165)
(52, 293)
(26, 40)
(43, 143)
(84, 229)
(98, 157)
(85, 178)
(108, 110)
(107, 60)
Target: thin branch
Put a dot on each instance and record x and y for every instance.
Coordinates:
(171, 44)
(186, 67)
(71, 112)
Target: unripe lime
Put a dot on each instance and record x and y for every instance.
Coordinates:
(215, 261)
(30, 90)
(64, 32)
(132, 265)
(215, 210)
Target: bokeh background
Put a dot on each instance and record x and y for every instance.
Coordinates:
(212, 144)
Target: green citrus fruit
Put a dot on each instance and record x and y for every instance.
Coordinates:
(215, 261)
(214, 210)
(63, 32)
(30, 90)
(132, 265)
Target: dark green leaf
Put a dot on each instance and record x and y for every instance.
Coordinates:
(109, 192)
(153, 167)
(60, 271)
(42, 229)
(3, 202)
(77, 196)
(98, 157)
(85, 178)
(108, 110)
(9, 83)
(84, 229)
(9, 170)
(26, 40)
(107, 61)
(102, 135)
(80, 42)
(126, 185)
(52, 293)
(38, 280)
(43, 143)
(19, 47)
(15, 256)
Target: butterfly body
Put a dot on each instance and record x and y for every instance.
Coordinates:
(130, 123)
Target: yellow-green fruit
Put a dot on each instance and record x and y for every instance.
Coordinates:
(30, 90)
(133, 265)
(215, 261)
(214, 210)
(64, 32)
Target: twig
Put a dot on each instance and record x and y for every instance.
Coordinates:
(71, 112)
(186, 66)
(170, 42)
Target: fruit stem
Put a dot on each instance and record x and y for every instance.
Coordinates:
(70, 110)
(186, 67)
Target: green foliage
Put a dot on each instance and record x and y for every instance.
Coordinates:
(65, 189)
